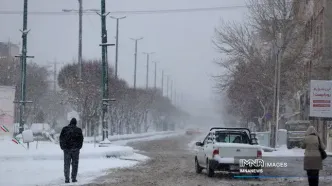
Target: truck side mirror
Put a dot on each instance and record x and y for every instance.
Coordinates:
(199, 144)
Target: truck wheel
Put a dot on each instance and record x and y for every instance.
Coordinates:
(209, 170)
(198, 168)
(289, 146)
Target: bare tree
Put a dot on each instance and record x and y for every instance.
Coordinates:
(250, 55)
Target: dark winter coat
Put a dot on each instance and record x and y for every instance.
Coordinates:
(71, 137)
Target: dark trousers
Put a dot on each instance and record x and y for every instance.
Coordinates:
(313, 177)
(71, 156)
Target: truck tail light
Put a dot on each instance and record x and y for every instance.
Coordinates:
(259, 154)
(215, 152)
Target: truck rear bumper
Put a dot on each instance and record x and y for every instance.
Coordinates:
(229, 167)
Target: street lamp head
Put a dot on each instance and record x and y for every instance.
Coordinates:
(118, 17)
(67, 10)
(137, 38)
(148, 53)
(93, 10)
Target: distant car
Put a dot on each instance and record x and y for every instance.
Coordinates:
(220, 148)
(193, 131)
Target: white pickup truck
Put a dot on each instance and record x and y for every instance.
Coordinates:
(222, 149)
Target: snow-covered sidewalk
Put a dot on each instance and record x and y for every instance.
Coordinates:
(44, 165)
(284, 152)
(51, 151)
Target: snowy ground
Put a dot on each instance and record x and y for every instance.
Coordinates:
(172, 165)
(127, 136)
(43, 164)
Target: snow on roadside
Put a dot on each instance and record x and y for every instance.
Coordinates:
(44, 165)
(51, 151)
(44, 172)
(149, 138)
(284, 152)
(127, 136)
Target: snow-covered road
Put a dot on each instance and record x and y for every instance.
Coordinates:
(172, 164)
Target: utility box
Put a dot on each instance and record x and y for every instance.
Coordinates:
(27, 136)
(263, 138)
(282, 137)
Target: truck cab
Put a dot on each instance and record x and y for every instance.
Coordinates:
(296, 132)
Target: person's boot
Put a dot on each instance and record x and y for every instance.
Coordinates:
(67, 181)
(74, 180)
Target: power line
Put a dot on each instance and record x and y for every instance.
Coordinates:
(161, 11)
(127, 12)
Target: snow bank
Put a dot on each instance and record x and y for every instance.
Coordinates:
(44, 165)
(51, 151)
(127, 136)
(148, 138)
(50, 172)
(284, 152)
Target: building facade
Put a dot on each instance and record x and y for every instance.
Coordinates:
(315, 15)
(8, 50)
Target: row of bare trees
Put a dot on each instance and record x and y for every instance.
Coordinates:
(249, 55)
(132, 111)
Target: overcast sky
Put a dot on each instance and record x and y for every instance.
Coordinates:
(182, 41)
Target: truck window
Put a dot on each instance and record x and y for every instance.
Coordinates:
(297, 127)
(231, 138)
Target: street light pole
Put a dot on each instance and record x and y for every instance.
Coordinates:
(171, 92)
(155, 75)
(278, 89)
(162, 83)
(80, 33)
(117, 44)
(80, 39)
(105, 88)
(23, 58)
(175, 97)
(135, 68)
(167, 85)
(147, 67)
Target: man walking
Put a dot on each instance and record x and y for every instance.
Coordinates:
(71, 141)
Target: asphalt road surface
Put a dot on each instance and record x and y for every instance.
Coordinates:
(172, 164)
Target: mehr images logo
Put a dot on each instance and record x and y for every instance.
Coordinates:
(257, 165)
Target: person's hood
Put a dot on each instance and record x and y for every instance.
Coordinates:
(73, 122)
(311, 131)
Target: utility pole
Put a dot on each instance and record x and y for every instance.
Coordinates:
(117, 44)
(80, 39)
(80, 12)
(155, 75)
(23, 58)
(175, 97)
(55, 79)
(105, 88)
(80, 48)
(147, 67)
(278, 85)
(171, 92)
(167, 86)
(162, 83)
(135, 68)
